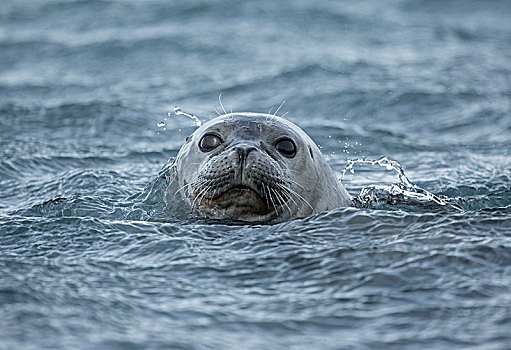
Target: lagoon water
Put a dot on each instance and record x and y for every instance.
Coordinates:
(87, 263)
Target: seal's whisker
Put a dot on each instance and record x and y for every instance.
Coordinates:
(203, 186)
(221, 104)
(282, 199)
(180, 189)
(296, 183)
(204, 190)
(215, 190)
(204, 182)
(269, 112)
(277, 199)
(265, 195)
(283, 115)
(278, 109)
(275, 195)
(286, 191)
(215, 110)
(199, 184)
(296, 194)
(273, 203)
(189, 184)
(204, 194)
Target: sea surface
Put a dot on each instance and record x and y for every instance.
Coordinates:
(88, 261)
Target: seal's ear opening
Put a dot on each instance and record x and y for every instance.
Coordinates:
(310, 151)
(188, 138)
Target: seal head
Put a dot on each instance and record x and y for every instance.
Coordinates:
(257, 168)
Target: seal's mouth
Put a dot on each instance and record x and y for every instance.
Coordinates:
(240, 199)
(239, 202)
(237, 191)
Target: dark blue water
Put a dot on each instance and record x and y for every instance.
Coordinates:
(86, 262)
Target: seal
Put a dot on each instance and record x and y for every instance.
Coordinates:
(254, 167)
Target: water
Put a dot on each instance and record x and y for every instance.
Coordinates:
(404, 191)
(88, 260)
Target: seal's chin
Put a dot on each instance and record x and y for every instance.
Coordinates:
(240, 203)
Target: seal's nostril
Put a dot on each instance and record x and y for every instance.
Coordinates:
(248, 150)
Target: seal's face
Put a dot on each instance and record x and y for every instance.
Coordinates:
(249, 167)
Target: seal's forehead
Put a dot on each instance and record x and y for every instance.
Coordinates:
(255, 121)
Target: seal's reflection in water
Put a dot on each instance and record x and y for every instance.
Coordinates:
(253, 167)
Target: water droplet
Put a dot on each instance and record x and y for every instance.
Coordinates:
(178, 111)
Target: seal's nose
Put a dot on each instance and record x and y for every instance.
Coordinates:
(243, 151)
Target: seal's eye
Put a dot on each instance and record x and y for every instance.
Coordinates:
(286, 147)
(209, 142)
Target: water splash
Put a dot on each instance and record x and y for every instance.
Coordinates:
(179, 111)
(403, 192)
(162, 124)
